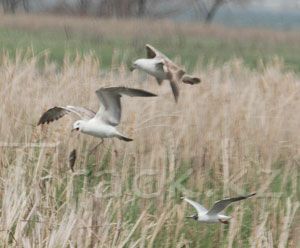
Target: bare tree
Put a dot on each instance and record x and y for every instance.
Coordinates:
(10, 6)
(26, 5)
(123, 8)
(209, 8)
(141, 7)
(83, 6)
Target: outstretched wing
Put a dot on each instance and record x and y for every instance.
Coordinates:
(175, 89)
(174, 74)
(200, 209)
(154, 53)
(221, 205)
(110, 99)
(58, 112)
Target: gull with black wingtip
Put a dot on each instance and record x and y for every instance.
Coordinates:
(214, 215)
(103, 123)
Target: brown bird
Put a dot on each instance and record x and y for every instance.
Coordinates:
(162, 68)
(72, 159)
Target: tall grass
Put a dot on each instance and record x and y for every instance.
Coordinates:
(236, 132)
(61, 35)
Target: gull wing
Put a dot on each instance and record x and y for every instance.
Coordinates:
(56, 113)
(200, 209)
(174, 74)
(175, 89)
(221, 205)
(110, 100)
(171, 66)
(154, 53)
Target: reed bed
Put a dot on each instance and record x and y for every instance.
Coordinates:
(236, 132)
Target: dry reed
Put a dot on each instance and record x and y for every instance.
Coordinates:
(236, 132)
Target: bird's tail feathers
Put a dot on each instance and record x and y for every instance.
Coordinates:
(188, 79)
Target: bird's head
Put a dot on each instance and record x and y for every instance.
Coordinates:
(78, 125)
(194, 216)
(135, 65)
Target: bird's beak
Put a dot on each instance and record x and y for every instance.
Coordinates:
(191, 217)
(131, 67)
(74, 129)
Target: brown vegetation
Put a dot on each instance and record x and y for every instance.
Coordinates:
(236, 132)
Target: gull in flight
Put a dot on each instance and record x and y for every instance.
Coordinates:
(162, 68)
(103, 123)
(214, 214)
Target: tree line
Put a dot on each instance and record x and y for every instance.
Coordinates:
(205, 9)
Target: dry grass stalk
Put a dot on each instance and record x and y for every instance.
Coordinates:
(100, 204)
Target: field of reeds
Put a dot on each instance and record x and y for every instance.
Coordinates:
(236, 132)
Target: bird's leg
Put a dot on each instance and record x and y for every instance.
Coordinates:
(224, 221)
(92, 150)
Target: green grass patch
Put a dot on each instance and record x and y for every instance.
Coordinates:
(190, 49)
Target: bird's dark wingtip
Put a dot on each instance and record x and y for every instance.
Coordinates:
(40, 122)
(147, 93)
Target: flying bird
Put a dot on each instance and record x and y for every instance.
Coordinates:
(103, 123)
(162, 68)
(214, 214)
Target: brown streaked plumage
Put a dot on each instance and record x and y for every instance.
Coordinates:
(162, 68)
(56, 113)
(72, 159)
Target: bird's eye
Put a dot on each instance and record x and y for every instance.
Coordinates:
(77, 128)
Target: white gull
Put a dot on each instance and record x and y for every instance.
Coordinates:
(103, 123)
(214, 214)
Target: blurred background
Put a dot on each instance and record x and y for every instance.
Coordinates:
(277, 14)
(205, 31)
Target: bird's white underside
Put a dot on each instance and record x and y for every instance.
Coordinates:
(213, 218)
(214, 214)
(103, 123)
(150, 66)
(97, 128)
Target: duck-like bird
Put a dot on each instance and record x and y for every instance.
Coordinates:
(214, 214)
(103, 123)
(162, 68)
